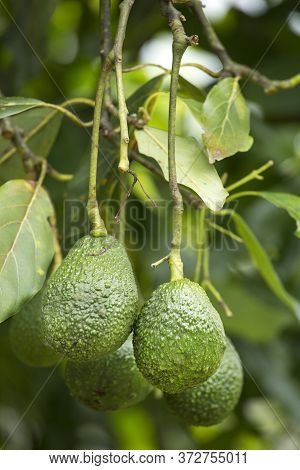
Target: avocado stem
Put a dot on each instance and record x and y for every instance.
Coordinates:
(97, 225)
(112, 60)
(179, 46)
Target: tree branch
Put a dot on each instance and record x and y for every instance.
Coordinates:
(234, 68)
(125, 8)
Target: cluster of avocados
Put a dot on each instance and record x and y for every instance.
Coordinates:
(86, 314)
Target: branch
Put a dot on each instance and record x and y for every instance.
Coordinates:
(179, 46)
(30, 160)
(208, 285)
(234, 68)
(105, 28)
(253, 175)
(125, 8)
(113, 58)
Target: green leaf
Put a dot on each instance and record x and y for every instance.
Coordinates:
(26, 243)
(226, 121)
(254, 319)
(138, 98)
(188, 91)
(264, 265)
(192, 97)
(193, 169)
(9, 106)
(289, 202)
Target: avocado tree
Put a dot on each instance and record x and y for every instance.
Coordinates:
(161, 166)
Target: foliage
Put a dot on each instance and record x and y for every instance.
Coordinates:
(219, 120)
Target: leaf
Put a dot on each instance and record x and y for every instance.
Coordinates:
(289, 202)
(9, 106)
(187, 91)
(26, 243)
(192, 97)
(193, 169)
(138, 98)
(226, 121)
(264, 265)
(41, 127)
(254, 319)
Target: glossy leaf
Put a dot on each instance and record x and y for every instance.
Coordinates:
(264, 265)
(9, 106)
(26, 243)
(193, 169)
(226, 121)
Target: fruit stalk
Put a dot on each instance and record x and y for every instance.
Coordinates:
(179, 46)
(97, 225)
(113, 59)
(125, 8)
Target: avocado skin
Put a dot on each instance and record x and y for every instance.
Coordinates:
(91, 301)
(211, 402)
(179, 338)
(111, 383)
(26, 336)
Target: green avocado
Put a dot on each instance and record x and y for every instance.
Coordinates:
(215, 399)
(111, 383)
(179, 338)
(26, 336)
(91, 301)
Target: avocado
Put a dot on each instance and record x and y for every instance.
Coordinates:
(211, 402)
(26, 336)
(91, 301)
(179, 338)
(110, 383)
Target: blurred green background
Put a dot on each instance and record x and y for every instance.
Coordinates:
(49, 50)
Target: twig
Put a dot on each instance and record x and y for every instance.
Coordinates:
(121, 215)
(105, 45)
(255, 174)
(142, 66)
(202, 247)
(57, 248)
(160, 261)
(105, 28)
(179, 46)
(125, 8)
(8, 154)
(29, 158)
(241, 194)
(114, 58)
(208, 285)
(203, 69)
(225, 231)
(234, 68)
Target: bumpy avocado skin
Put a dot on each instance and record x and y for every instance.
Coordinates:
(111, 383)
(90, 303)
(211, 402)
(26, 336)
(179, 338)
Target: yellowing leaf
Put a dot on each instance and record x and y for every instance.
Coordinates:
(26, 243)
(226, 121)
(193, 168)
